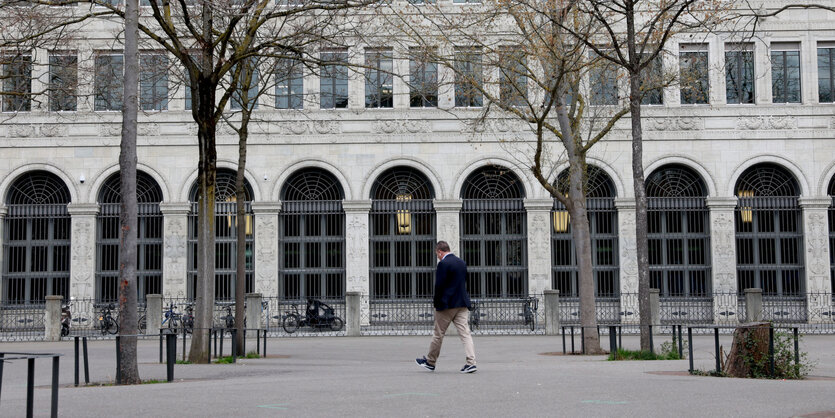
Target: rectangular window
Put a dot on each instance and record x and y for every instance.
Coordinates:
(513, 84)
(468, 77)
(378, 79)
(237, 101)
(63, 82)
(739, 73)
(652, 83)
(603, 82)
(153, 82)
(289, 85)
(17, 83)
(693, 74)
(423, 78)
(826, 72)
(109, 80)
(465, 1)
(333, 80)
(785, 72)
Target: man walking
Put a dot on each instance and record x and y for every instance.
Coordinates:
(452, 304)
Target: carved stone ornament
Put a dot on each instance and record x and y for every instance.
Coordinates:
(82, 252)
(175, 241)
(148, 129)
(266, 237)
(52, 131)
(674, 124)
(539, 237)
(817, 248)
(21, 131)
(110, 130)
(766, 122)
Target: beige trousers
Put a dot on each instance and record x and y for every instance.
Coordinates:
(461, 318)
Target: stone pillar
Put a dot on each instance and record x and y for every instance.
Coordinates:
(655, 307)
(723, 260)
(816, 243)
(753, 304)
(253, 314)
(353, 313)
(52, 318)
(266, 247)
(448, 218)
(539, 244)
(628, 245)
(153, 314)
(552, 312)
(83, 251)
(3, 212)
(357, 252)
(175, 250)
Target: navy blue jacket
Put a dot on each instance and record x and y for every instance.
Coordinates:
(451, 284)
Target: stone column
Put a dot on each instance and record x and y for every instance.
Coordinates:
(175, 250)
(539, 244)
(82, 249)
(253, 314)
(448, 218)
(816, 244)
(552, 312)
(723, 260)
(628, 245)
(356, 251)
(3, 212)
(266, 247)
(153, 314)
(52, 318)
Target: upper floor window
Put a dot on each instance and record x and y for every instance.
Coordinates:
(63, 82)
(378, 78)
(423, 79)
(17, 83)
(333, 80)
(693, 74)
(289, 85)
(739, 73)
(514, 80)
(603, 81)
(153, 82)
(785, 72)
(468, 77)
(464, 1)
(652, 83)
(249, 76)
(826, 72)
(109, 82)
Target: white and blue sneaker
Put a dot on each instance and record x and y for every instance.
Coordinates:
(422, 362)
(469, 368)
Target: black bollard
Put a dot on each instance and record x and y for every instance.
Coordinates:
(265, 343)
(76, 361)
(160, 346)
(30, 387)
(771, 348)
(651, 345)
(680, 345)
(220, 353)
(118, 360)
(563, 340)
(233, 342)
(258, 343)
(582, 339)
(184, 342)
(718, 354)
(53, 411)
(796, 349)
(613, 341)
(86, 361)
(690, 346)
(171, 358)
(572, 339)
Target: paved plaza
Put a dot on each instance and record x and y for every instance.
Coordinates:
(376, 376)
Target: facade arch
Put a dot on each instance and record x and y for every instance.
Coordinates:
(690, 163)
(796, 171)
(463, 175)
(184, 193)
(420, 166)
(13, 176)
(275, 193)
(105, 174)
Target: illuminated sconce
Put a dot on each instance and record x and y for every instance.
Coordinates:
(404, 218)
(561, 221)
(233, 214)
(746, 211)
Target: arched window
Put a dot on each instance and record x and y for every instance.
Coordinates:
(603, 223)
(226, 242)
(831, 192)
(769, 231)
(312, 237)
(494, 233)
(36, 250)
(149, 238)
(402, 235)
(678, 232)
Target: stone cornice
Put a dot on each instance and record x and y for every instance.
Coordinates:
(83, 209)
(721, 202)
(453, 205)
(175, 208)
(356, 206)
(625, 203)
(3, 211)
(539, 204)
(815, 202)
(266, 207)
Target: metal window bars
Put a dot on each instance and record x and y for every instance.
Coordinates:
(679, 246)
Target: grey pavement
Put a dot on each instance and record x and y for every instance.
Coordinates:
(376, 376)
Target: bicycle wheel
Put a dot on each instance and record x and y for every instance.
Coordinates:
(337, 323)
(532, 322)
(112, 326)
(142, 324)
(290, 323)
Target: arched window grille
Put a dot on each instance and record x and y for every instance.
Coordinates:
(603, 223)
(831, 192)
(494, 233)
(226, 242)
(402, 235)
(149, 238)
(36, 241)
(312, 237)
(769, 231)
(678, 232)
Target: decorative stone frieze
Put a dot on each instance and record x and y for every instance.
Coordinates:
(816, 243)
(266, 247)
(766, 122)
(628, 244)
(82, 249)
(723, 258)
(175, 251)
(539, 244)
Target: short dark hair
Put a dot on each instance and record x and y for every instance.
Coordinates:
(442, 246)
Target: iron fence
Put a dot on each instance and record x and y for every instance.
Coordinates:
(274, 311)
(22, 322)
(608, 310)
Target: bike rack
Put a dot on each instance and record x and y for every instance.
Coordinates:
(30, 378)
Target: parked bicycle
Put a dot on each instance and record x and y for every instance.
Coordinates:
(529, 308)
(170, 318)
(107, 324)
(188, 319)
(317, 315)
(66, 318)
(475, 315)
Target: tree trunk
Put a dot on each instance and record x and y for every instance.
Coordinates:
(129, 369)
(749, 352)
(240, 201)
